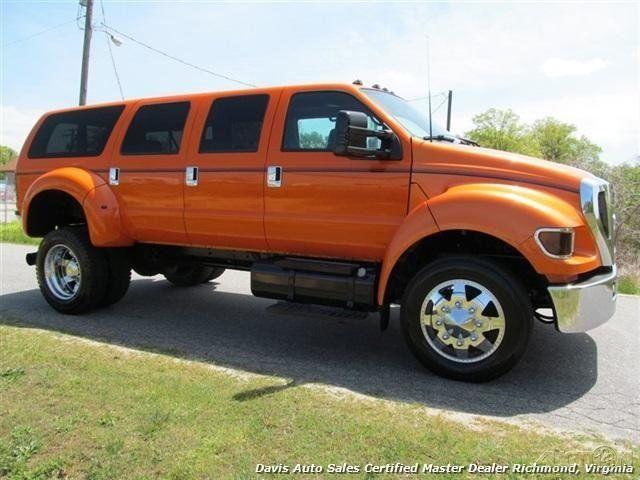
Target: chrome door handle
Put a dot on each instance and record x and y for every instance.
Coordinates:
(114, 176)
(191, 176)
(274, 176)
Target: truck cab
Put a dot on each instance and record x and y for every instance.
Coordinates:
(335, 194)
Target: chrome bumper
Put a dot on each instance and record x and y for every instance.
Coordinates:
(585, 305)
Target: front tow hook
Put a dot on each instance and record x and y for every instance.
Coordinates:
(31, 258)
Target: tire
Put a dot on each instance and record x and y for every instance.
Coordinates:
(119, 276)
(215, 273)
(188, 275)
(72, 274)
(479, 332)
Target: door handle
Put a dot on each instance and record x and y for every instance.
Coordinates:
(191, 176)
(274, 176)
(114, 176)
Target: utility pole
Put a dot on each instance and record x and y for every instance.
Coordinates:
(449, 110)
(84, 75)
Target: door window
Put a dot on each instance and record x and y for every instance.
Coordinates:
(234, 124)
(311, 120)
(156, 129)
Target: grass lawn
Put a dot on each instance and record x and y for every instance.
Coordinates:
(78, 409)
(12, 233)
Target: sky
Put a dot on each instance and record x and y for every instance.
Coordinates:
(577, 62)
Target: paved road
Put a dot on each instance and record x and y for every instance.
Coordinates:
(580, 382)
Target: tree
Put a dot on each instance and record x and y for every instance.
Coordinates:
(502, 130)
(6, 155)
(312, 140)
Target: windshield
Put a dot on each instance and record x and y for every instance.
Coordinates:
(412, 119)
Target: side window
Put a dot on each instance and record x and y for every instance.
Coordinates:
(78, 133)
(311, 120)
(234, 124)
(156, 129)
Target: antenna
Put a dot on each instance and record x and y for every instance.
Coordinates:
(429, 89)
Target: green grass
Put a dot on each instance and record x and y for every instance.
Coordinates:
(629, 284)
(75, 409)
(12, 233)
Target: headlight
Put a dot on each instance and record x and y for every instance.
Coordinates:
(556, 242)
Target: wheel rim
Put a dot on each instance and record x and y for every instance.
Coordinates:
(462, 320)
(62, 272)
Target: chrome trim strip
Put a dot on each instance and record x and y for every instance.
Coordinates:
(555, 229)
(585, 305)
(590, 187)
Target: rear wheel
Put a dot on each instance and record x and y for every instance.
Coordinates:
(188, 275)
(466, 319)
(72, 273)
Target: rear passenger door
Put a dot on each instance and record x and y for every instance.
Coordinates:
(224, 201)
(147, 171)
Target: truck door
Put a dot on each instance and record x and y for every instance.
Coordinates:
(321, 204)
(224, 204)
(147, 171)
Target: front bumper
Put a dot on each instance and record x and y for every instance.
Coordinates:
(584, 305)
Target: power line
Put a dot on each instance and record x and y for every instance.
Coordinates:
(29, 37)
(440, 105)
(184, 62)
(113, 61)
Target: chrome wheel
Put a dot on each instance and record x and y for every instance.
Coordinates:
(462, 321)
(62, 272)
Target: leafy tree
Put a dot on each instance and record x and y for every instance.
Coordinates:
(6, 155)
(502, 130)
(312, 140)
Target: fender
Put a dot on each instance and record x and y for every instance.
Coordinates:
(93, 194)
(507, 212)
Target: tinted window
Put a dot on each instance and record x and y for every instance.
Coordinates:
(234, 124)
(78, 133)
(311, 120)
(156, 129)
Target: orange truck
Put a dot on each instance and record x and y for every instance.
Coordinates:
(333, 194)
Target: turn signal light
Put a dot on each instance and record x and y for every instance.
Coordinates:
(556, 242)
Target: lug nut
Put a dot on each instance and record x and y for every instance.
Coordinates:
(438, 322)
(474, 337)
(459, 343)
(445, 336)
(478, 323)
(458, 304)
(472, 310)
(445, 309)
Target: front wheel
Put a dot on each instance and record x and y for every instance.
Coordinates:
(466, 319)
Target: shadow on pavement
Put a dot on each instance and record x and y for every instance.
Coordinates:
(237, 331)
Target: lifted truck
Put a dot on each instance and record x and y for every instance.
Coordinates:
(332, 194)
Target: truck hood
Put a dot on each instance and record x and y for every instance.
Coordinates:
(446, 158)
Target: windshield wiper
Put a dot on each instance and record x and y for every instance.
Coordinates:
(446, 138)
(451, 138)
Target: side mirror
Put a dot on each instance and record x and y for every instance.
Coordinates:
(352, 134)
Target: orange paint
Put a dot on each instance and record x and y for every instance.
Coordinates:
(328, 206)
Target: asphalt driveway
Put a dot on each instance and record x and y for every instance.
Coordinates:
(581, 382)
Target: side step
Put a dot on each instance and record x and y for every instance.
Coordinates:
(339, 284)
